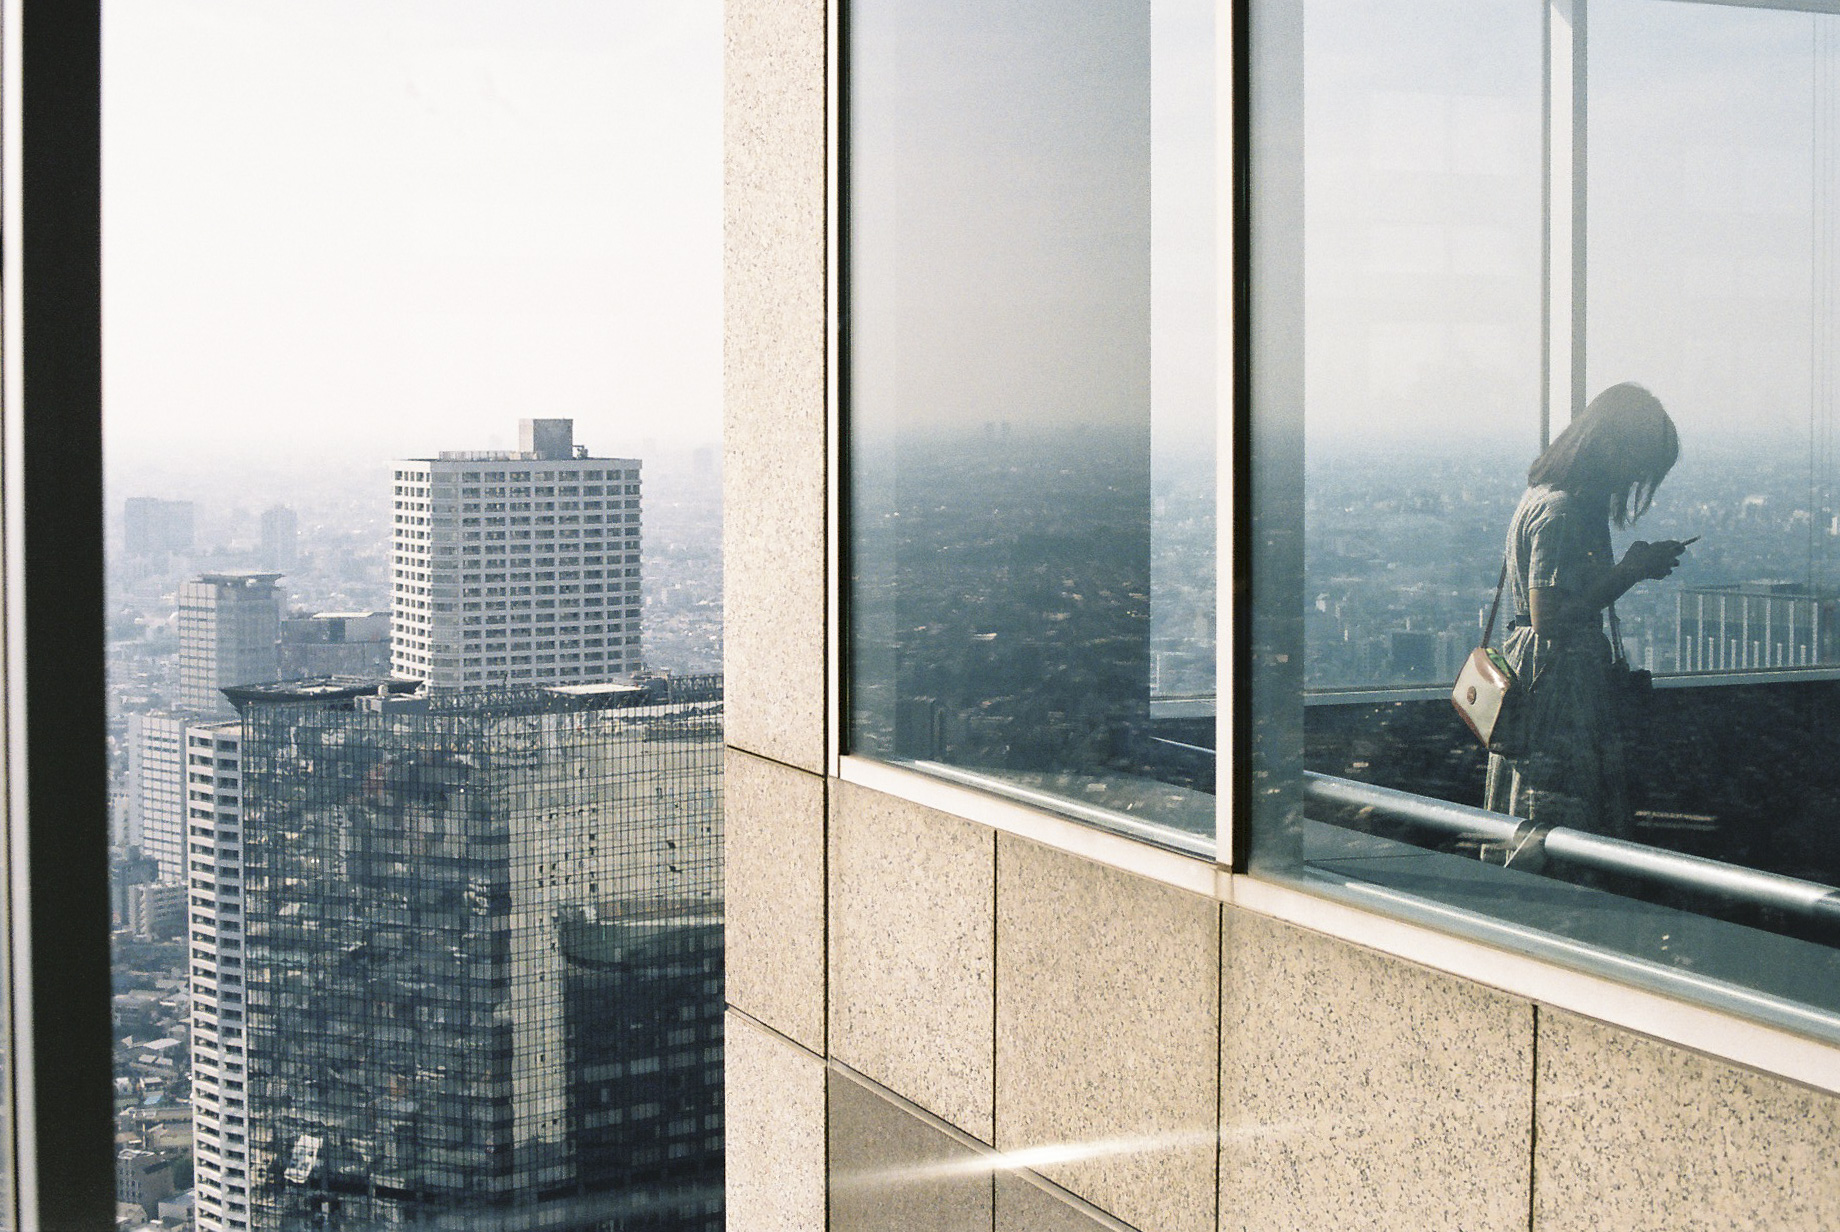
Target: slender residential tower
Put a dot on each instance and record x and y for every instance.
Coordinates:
(229, 634)
(214, 931)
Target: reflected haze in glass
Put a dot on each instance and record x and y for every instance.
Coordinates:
(1031, 311)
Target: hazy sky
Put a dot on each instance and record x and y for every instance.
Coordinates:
(363, 229)
(340, 229)
(1033, 218)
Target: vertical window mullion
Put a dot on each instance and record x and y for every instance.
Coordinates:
(1564, 275)
(60, 1106)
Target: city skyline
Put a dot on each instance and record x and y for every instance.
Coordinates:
(188, 616)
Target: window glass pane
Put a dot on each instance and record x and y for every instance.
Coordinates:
(1421, 349)
(414, 584)
(1032, 306)
(1675, 836)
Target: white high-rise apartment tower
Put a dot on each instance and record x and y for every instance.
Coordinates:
(214, 927)
(156, 789)
(516, 567)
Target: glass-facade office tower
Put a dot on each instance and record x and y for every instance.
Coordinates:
(229, 633)
(484, 955)
(516, 567)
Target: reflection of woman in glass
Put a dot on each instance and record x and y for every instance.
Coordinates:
(1561, 576)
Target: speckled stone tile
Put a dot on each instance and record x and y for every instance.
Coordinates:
(1642, 1135)
(1023, 1207)
(1108, 1002)
(1359, 1091)
(892, 1172)
(773, 1132)
(911, 941)
(773, 361)
(774, 872)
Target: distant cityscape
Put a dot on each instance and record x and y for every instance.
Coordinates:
(574, 1080)
(337, 560)
(1402, 554)
(1040, 607)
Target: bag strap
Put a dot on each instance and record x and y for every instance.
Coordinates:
(1488, 630)
(1617, 653)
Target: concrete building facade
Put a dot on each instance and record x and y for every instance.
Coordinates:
(949, 1010)
(156, 790)
(516, 567)
(229, 633)
(143, 1178)
(156, 910)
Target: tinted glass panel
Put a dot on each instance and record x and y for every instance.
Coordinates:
(1713, 134)
(1414, 314)
(1031, 300)
(1421, 352)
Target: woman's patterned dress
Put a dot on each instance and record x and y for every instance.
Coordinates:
(1571, 773)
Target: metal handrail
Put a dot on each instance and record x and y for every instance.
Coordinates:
(1377, 694)
(1807, 899)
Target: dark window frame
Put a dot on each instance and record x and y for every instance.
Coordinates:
(60, 1100)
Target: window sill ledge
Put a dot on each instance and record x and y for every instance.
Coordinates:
(1717, 1033)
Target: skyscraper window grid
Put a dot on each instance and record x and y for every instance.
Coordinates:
(484, 956)
(213, 935)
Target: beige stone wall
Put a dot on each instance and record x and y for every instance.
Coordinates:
(773, 380)
(912, 993)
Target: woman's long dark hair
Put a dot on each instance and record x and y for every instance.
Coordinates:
(1621, 448)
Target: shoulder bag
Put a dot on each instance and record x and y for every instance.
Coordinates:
(1488, 694)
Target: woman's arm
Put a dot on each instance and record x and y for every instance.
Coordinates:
(1551, 608)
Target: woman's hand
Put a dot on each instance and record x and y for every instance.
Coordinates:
(1652, 560)
(1552, 611)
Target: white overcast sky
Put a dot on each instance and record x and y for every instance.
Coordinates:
(350, 230)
